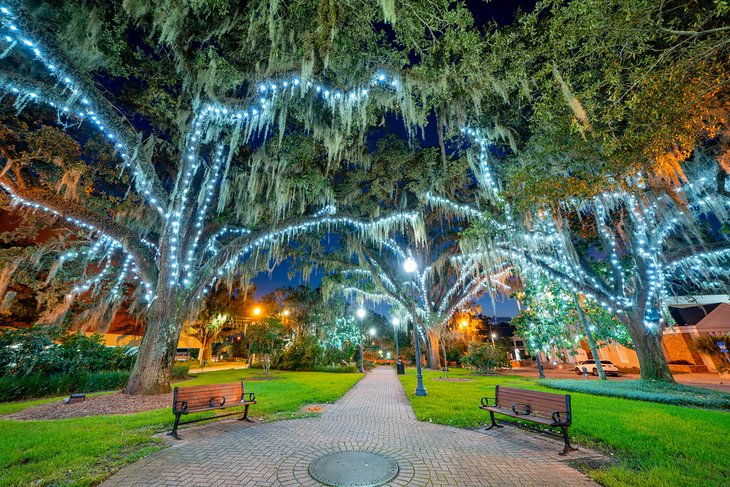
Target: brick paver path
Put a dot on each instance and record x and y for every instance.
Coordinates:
(376, 416)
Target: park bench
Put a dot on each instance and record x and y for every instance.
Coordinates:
(198, 399)
(543, 408)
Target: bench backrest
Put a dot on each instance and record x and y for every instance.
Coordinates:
(197, 398)
(541, 403)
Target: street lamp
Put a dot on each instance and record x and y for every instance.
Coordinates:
(410, 265)
(285, 312)
(494, 335)
(257, 311)
(420, 390)
(361, 314)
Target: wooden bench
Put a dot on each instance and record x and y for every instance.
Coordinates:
(197, 399)
(543, 408)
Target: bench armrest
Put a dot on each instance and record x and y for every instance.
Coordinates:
(485, 401)
(560, 417)
(251, 397)
(180, 407)
(526, 409)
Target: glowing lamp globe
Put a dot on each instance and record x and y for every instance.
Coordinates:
(285, 312)
(395, 321)
(410, 265)
(361, 313)
(372, 332)
(256, 311)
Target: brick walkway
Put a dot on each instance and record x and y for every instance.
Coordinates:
(376, 416)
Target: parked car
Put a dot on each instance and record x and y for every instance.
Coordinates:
(607, 365)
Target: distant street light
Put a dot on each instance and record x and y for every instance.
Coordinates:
(256, 311)
(410, 265)
(372, 332)
(285, 312)
(494, 335)
(361, 313)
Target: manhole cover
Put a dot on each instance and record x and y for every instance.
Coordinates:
(353, 469)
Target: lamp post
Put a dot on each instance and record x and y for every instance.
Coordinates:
(410, 267)
(361, 314)
(494, 335)
(420, 390)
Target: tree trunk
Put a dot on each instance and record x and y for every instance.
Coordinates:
(540, 370)
(648, 347)
(153, 369)
(434, 354)
(589, 336)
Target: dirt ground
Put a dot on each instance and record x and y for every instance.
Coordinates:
(104, 404)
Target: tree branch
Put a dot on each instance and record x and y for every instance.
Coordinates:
(125, 236)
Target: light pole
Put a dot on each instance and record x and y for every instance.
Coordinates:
(361, 314)
(494, 335)
(420, 390)
(410, 267)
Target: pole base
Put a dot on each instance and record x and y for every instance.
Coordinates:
(421, 391)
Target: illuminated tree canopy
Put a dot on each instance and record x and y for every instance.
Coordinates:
(179, 148)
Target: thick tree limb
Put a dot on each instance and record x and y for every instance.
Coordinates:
(126, 237)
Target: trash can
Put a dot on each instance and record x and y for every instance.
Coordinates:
(400, 367)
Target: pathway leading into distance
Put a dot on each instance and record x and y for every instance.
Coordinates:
(375, 416)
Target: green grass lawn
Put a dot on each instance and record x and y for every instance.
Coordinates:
(84, 451)
(655, 444)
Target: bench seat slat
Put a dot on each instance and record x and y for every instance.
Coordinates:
(509, 412)
(227, 405)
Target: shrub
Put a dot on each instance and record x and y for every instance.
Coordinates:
(15, 387)
(708, 344)
(48, 350)
(338, 369)
(640, 390)
(304, 353)
(180, 371)
(486, 357)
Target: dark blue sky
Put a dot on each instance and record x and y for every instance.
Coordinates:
(266, 283)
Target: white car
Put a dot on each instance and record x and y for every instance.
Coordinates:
(590, 365)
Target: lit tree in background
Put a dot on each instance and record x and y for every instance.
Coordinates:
(221, 313)
(554, 319)
(430, 283)
(626, 248)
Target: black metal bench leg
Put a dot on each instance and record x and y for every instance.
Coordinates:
(245, 415)
(494, 423)
(566, 439)
(173, 433)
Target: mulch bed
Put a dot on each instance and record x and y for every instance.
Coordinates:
(104, 404)
(314, 408)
